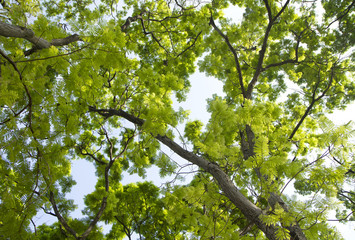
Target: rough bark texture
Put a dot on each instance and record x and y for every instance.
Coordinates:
(9, 30)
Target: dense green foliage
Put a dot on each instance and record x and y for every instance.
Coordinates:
(96, 80)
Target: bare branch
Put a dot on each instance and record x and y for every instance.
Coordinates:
(153, 36)
(34, 226)
(341, 193)
(288, 60)
(26, 89)
(59, 55)
(316, 219)
(125, 228)
(15, 115)
(86, 153)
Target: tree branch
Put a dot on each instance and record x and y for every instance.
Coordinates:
(11, 62)
(125, 228)
(288, 60)
(96, 219)
(268, 10)
(29, 105)
(314, 100)
(59, 216)
(345, 12)
(49, 213)
(263, 48)
(153, 36)
(191, 45)
(235, 55)
(9, 30)
(250, 210)
(343, 219)
(129, 20)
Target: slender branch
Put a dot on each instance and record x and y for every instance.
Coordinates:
(345, 12)
(235, 55)
(49, 213)
(165, 18)
(347, 197)
(343, 219)
(281, 11)
(15, 115)
(263, 48)
(91, 155)
(125, 228)
(298, 36)
(34, 226)
(186, 49)
(107, 169)
(306, 113)
(352, 193)
(288, 60)
(185, 9)
(29, 105)
(303, 168)
(11, 62)
(59, 216)
(96, 219)
(60, 55)
(153, 36)
(316, 219)
(314, 100)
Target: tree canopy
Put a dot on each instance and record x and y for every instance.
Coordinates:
(96, 80)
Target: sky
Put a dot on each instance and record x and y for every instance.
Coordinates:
(202, 88)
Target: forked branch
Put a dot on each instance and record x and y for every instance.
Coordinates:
(235, 55)
(262, 52)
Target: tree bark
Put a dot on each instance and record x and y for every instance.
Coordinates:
(9, 30)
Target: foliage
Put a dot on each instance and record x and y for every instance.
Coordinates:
(96, 80)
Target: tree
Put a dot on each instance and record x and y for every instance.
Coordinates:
(96, 79)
